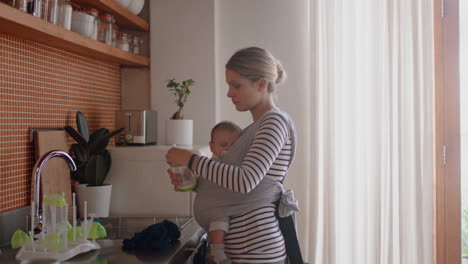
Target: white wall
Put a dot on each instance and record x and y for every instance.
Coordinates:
(194, 39)
(182, 47)
(282, 27)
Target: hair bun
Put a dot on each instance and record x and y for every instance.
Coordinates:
(281, 73)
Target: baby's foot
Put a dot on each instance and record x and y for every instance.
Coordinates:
(216, 254)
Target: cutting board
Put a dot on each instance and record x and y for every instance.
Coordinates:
(55, 177)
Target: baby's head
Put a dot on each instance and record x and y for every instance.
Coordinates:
(223, 135)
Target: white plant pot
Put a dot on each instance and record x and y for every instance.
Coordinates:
(179, 132)
(97, 197)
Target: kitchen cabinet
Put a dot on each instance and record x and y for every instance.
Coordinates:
(26, 26)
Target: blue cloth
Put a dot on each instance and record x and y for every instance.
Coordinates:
(159, 236)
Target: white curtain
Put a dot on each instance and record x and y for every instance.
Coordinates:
(373, 147)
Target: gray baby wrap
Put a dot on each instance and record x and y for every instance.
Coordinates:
(214, 203)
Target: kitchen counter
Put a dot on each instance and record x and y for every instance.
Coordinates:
(111, 249)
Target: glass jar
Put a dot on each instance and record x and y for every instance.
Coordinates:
(65, 14)
(34, 7)
(115, 36)
(95, 13)
(45, 9)
(22, 5)
(123, 42)
(136, 41)
(105, 28)
(53, 11)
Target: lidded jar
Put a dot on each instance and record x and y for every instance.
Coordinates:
(65, 14)
(123, 42)
(115, 36)
(95, 13)
(105, 28)
(136, 41)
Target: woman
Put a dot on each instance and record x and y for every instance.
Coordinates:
(253, 237)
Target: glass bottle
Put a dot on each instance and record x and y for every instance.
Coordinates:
(123, 42)
(65, 14)
(53, 11)
(95, 13)
(22, 5)
(45, 9)
(106, 24)
(115, 36)
(35, 8)
(136, 41)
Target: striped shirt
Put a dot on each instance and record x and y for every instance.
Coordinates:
(255, 237)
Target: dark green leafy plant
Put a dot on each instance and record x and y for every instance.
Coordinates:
(181, 91)
(92, 159)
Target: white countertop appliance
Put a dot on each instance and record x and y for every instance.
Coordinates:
(140, 127)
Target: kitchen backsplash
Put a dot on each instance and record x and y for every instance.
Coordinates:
(44, 87)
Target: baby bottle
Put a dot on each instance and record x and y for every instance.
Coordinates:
(189, 182)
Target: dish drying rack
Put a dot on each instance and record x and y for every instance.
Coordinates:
(58, 239)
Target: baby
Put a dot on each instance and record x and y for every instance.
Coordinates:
(223, 135)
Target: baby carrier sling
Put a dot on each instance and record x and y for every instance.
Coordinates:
(285, 217)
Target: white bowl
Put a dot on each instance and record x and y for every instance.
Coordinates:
(124, 3)
(82, 23)
(136, 6)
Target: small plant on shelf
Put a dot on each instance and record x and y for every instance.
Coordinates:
(181, 91)
(90, 152)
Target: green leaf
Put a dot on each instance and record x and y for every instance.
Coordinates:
(107, 161)
(76, 136)
(99, 145)
(82, 125)
(116, 132)
(96, 171)
(98, 134)
(79, 152)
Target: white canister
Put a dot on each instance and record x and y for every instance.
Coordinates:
(179, 132)
(97, 197)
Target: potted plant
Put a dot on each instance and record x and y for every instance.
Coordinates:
(179, 131)
(93, 162)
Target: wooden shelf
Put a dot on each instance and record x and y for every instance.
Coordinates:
(26, 26)
(123, 17)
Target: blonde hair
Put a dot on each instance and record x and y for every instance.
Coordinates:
(255, 63)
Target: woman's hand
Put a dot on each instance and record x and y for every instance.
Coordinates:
(176, 157)
(175, 180)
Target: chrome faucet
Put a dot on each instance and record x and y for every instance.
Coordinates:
(37, 176)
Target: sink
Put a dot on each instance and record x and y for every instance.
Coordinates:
(121, 227)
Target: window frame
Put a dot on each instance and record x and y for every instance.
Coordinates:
(447, 193)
